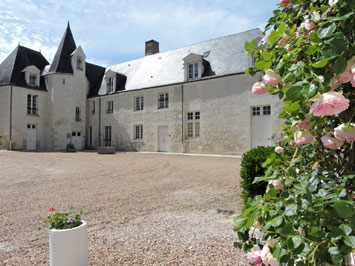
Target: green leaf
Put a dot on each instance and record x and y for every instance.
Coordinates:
(314, 38)
(287, 228)
(293, 107)
(294, 92)
(321, 63)
(313, 49)
(346, 229)
(291, 210)
(341, 18)
(340, 65)
(309, 91)
(350, 241)
(296, 241)
(239, 223)
(281, 29)
(326, 32)
(263, 65)
(292, 171)
(274, 36)
(249, 45)
(334, 250)
(343, 209)
(277, 221)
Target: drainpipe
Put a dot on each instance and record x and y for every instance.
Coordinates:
(182, 117)
(10, 148)
(99, 122)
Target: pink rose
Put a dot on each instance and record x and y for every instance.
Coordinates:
(335, 83)
(345, 77)
(345, 132)
(267, 257)
(277, 184)
(303, 137)
(315, 164)
(255, 257)
(353, 80)
(304, 124)
(285, 3)
(331, 143)
(309, 25)
(279, 149)
(259, 88)
(301, 231)
(272, 78)
(329, 103)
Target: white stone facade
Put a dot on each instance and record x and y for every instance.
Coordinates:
(199, 115)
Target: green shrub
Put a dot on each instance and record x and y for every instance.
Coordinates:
(251, 167)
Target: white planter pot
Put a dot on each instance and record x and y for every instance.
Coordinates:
(69, 247)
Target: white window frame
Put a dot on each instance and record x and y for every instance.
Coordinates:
(193, 125)
(139, 103)
(33, 79)
(79, 63)
(77, 114)
(109, 107)
(261, 110)
(107, 136)
(32, 104)
(138, 132)
(110, 84)
(192, 71)
(163, 100)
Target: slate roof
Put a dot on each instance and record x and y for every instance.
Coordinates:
(62, 59)
(94, 74)
(11, 69)
(226, 56)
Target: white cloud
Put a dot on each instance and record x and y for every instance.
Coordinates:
(114, 31)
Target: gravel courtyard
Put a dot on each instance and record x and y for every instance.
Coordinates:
(142, 209)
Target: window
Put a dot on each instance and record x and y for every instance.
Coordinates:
(77, 114)
(138, 132)
(29, 126)
(33, 80)
(108, 136)
(32, 104)
(267, 110)
(193, 124)
(139, 103)
(109, 107)
(93, 108)
(193, 71)
(256, 110)
(110, 85)
(79, 63)
(163, 101)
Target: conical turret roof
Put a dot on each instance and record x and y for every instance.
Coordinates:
(62, 59)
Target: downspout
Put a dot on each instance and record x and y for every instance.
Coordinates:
(99, 122)
(10, 147)
(182, 117)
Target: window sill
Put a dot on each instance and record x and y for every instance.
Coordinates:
(138, 140)
(33, 114)
(192, 138)
(109, 113)
(138, 110)
(77, 120)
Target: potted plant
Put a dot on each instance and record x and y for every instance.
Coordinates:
(70, 147)
(106, 149)
(68, 238)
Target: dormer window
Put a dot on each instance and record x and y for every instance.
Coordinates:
(193, 71)
(110, 85)
(193, 65)
(79, 63)
(33, 80)
(32, 75)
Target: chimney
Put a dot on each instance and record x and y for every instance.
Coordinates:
(151, 47)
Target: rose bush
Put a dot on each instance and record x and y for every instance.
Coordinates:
(308, 60)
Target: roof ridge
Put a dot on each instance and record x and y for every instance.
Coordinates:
(160, 53)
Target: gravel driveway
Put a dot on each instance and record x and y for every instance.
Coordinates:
(142, 209)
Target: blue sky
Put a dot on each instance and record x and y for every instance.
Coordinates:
(114, 31)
